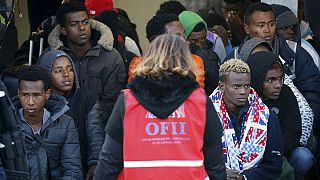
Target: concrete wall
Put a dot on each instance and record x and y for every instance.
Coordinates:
(139, 11)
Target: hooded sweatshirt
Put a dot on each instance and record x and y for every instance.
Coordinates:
(84, 109)
(161, 98)
(285, 107)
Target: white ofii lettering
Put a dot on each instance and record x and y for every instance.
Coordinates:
(164, 128)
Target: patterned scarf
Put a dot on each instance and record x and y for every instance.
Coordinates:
(247, 152)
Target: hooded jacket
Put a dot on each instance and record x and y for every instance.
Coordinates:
(84, 109)
(161, 98)
(101, 69)
(55, 152)
(300, 67)
(285, 107)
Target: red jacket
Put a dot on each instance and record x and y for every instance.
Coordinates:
(169, 148)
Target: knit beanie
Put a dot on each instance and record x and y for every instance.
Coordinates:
(249, 45)
(94, 7)
(189, 20)
(284, 16)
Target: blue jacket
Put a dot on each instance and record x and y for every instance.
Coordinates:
(55, 152)
(2, 174)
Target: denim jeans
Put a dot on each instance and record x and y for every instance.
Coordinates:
(301, 159)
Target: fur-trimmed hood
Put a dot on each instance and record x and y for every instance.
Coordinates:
(105, 40)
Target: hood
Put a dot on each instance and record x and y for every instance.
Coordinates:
(285, 17)
(305, 29)
(105, 40)
(46, 61)
(247, 47)
(162, 97)
(189, 20)
(259, 64)
(56, 105)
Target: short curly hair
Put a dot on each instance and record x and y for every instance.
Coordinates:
(157, 24)
(69, 7)
(171, 7)
(34, 73)
(232, 65)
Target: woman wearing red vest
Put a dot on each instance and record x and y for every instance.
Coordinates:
(164, 126)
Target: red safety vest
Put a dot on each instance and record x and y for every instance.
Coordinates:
(168, 148)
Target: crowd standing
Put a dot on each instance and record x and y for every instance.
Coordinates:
(226, 89)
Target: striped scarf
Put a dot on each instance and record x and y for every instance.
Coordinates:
(247, 152)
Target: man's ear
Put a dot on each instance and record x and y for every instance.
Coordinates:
(246, 28)
(48, 93)
(63, 31)
(222, 86)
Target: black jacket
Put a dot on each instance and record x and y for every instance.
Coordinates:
(285, 107)
(161, 98)
(101, 70)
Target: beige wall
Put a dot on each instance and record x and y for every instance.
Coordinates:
(22, 23)
(140, 11)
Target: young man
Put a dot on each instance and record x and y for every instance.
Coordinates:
(99, 67)
(51, 139)
(84, 108)
(250, 142)
(168, 24)
(196, 34)
(260, 22)
(267, 79)
(287, 25)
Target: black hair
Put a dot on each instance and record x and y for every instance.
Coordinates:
(212, 18)
(73, 6)
(199, 27)
(258, 6)
(171, 7)
(156, 25)
(34, 73)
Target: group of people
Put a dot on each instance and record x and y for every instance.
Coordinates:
(233, 96)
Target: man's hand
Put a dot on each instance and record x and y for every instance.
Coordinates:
(236, 24)
(234, 175)
(91, 172)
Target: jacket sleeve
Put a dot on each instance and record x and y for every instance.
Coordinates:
(308, 82)
(70, 153)
(211, 69)
(212, 149)
(114, 78)
(110, 161)
(2, 173)
(94, 133)
(271, 164)
(291, 123)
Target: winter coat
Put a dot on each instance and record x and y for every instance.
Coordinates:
(55, 152)
(101, 69)
(285, 107)
(2, 173)
(85, 109)
(161, 98)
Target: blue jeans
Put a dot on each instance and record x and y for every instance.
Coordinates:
(301, 159)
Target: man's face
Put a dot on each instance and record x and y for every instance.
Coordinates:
(77, 29)
(32, 96)
(262, 25)
(273, 82)
(198, 38)
(287, 32)
(175, 27)
(236, 90)
(62, 76)
(232, 8)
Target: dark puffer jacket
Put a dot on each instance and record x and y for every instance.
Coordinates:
(85, 110)
(57, 143)
(101, 70)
